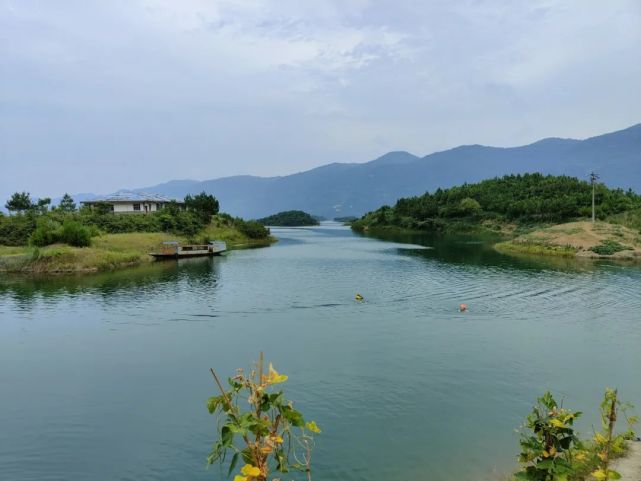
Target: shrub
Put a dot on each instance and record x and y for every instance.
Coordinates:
(608, 247)
(75, 234)
(469, 206)
(16, 229)
(251, 228)
(47, 232)
(547, 441)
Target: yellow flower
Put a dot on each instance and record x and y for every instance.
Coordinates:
(266, 449)
(600, 474)
(557, 423)
(238, 477)
(580, 456)
(277, 439)
(313, 427)
(250, 471)
(600, 438)
(274, 377)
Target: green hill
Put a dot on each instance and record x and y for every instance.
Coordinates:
(289, 218)
(513, 199)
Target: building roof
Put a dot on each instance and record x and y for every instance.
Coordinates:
(132, 197)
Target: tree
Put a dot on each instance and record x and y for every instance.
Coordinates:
(470, 206)
(19, 202)
(203, 205)
(67, 204)
(43, 204)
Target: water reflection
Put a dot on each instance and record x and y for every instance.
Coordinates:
(196, 273)
(472, 250)
(403, 385)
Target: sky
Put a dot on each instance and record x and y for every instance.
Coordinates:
(97, 96)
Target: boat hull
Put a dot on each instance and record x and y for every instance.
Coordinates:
(173, 255)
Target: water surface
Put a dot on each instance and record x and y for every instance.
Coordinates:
(105, 377)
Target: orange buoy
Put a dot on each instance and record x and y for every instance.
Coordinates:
(462, 308)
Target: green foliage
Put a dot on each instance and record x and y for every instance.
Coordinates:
(547, 441)
(75, 234)
(608, 247)
(16, 229)
(47, 232)
(71, 232)
(203, 205)
(607, 444)
(67, 204)
(527, 198)
(469, 206)
(289, 218)
(101, 208)
(551, 451)
(258, 424)
(251, 228)
(42, 205)
(19, 202)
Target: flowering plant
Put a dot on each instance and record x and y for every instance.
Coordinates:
(269, 435)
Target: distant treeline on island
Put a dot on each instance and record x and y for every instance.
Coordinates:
(289, 218)
(524, 198)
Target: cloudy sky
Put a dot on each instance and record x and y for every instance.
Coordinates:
(101, 95)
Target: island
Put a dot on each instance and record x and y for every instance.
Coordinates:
(289, 218)
(114, 232)
(525, 214)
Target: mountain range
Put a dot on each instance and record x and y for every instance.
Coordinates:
(341, 189)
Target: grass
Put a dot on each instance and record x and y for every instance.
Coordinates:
(233, 237)
(535, 248)
(108, 251)
(630, 219)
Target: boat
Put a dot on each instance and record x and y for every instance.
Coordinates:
(173, 250)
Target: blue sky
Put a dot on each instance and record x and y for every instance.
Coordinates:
(101, 95)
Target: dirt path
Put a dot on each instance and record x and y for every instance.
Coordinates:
(630, 466)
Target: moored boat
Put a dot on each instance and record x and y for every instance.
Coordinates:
(173, 250)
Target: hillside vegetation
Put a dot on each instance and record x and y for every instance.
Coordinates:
(36, 239)
(511, 201)
(289, 218)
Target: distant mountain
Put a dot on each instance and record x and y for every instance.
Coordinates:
(338, 190)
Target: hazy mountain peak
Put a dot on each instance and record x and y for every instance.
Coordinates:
(395, 157)
(341, 189)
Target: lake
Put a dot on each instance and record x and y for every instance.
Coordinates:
(105, 377)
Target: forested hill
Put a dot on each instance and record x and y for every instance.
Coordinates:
(339, 190)
(290, 218)
(513, 198)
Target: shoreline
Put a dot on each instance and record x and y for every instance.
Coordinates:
(572, 240)
(109, 252)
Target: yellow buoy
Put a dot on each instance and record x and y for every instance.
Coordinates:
(359, 297)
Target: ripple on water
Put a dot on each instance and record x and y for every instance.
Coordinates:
(106, 377)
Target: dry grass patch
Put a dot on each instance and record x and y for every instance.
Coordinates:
(583, 239)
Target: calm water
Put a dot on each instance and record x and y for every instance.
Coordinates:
(105, 377)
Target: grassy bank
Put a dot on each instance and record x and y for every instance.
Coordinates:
(578, 239)
(110, 251)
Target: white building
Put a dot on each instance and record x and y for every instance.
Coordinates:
(133, 202)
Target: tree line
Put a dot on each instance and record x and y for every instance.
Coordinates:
(524, 198)
(37, 223)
